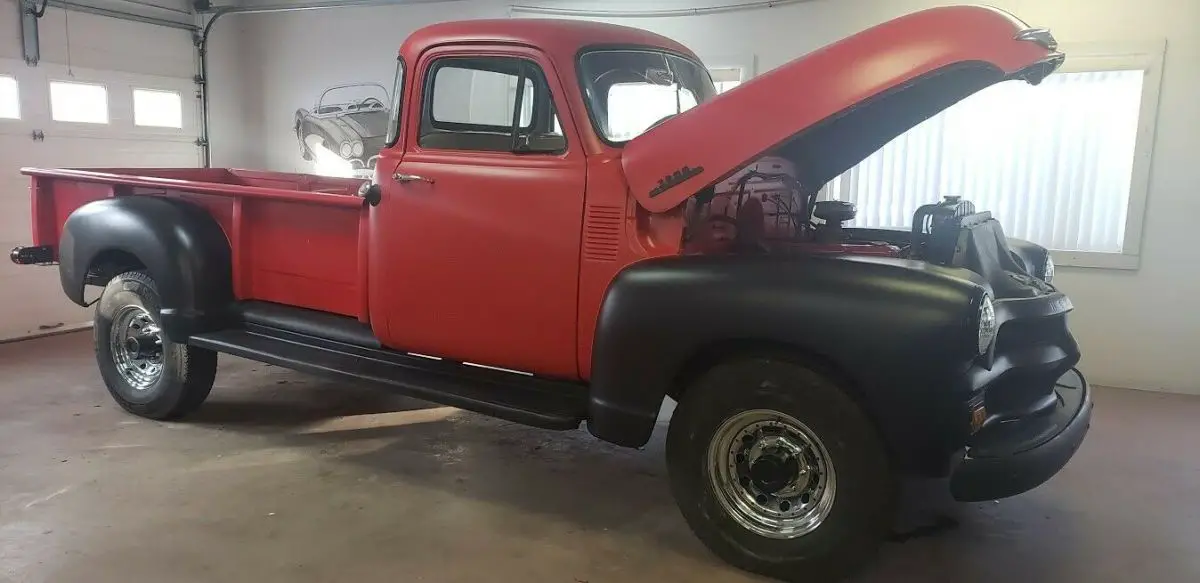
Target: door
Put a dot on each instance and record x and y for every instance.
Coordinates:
(480, 221)
(55, 116)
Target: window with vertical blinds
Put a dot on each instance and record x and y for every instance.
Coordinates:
(1054, 163)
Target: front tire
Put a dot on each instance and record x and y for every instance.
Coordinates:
(779, 472)
(145, 372)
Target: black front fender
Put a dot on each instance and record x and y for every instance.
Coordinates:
(893, 327)
(1033, 256)
(182, 248)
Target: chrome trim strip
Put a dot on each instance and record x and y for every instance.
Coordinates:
(1040, 36)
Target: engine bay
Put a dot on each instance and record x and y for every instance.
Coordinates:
(763, 208)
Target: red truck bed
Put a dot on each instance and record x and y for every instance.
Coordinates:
(297, 239)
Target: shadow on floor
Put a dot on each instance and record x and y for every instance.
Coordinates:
(568, 476)
(458, 483)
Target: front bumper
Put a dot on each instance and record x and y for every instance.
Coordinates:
(1010, 456)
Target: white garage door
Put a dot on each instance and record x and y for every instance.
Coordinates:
(84, 118)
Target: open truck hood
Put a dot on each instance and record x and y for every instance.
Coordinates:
(832, 108)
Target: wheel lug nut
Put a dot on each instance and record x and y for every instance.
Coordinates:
(785, 506)
(761, 499)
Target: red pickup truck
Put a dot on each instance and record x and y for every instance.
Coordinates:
(605, 232)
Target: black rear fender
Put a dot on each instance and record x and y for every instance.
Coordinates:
(178, 244)
(893, 329)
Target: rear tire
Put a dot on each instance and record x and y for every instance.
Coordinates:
(779, 472)
(145, 372)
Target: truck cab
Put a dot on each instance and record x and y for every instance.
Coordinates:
(567, 226)
(505, 169)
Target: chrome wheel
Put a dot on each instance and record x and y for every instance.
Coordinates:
(771, 474)
(136, 345)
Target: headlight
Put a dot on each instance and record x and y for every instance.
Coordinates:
(346, 150)
(358, 148)
(987, 324)
(1048, 269)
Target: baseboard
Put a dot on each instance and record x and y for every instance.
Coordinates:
(65, 329)
(1152, 389)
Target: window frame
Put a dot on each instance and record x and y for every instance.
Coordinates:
(585, 86)
(1147, 57)
(396, 116)
(133, 91)
(430, 117)
(530, 70)
(108, 102)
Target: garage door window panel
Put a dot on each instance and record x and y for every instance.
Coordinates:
(496, 104)
(157, 108)
(79, 102)
(10, 98)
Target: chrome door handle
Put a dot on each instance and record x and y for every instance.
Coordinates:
(406, 178)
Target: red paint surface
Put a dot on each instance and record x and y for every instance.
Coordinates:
(718, 137)
(294, 237)
(482, 264)
(505, 259)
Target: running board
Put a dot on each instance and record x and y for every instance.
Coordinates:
(515, 397)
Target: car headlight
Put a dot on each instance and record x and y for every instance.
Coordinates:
(358, 148)
(346, 150)
(987, 324)
(1048, 269)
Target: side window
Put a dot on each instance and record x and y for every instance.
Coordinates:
(393, 131)
(491, 104)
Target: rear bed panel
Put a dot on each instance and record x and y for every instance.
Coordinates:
(295, 239)
(300, 255)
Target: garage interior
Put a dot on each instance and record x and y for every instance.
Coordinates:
(284, 476)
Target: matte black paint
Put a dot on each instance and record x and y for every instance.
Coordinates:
(181, 246)
(902, 333)
(1032, 256)
(313, 323)
(1005, 459)
(518, 398)
(899, 330)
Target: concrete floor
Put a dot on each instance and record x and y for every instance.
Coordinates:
(284, 477)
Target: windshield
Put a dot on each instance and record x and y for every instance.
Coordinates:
(627, 91)
(353, 98)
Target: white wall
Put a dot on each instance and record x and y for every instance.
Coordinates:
(97, 42)
(283, 61)
(1137, 328)
(236, 100)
